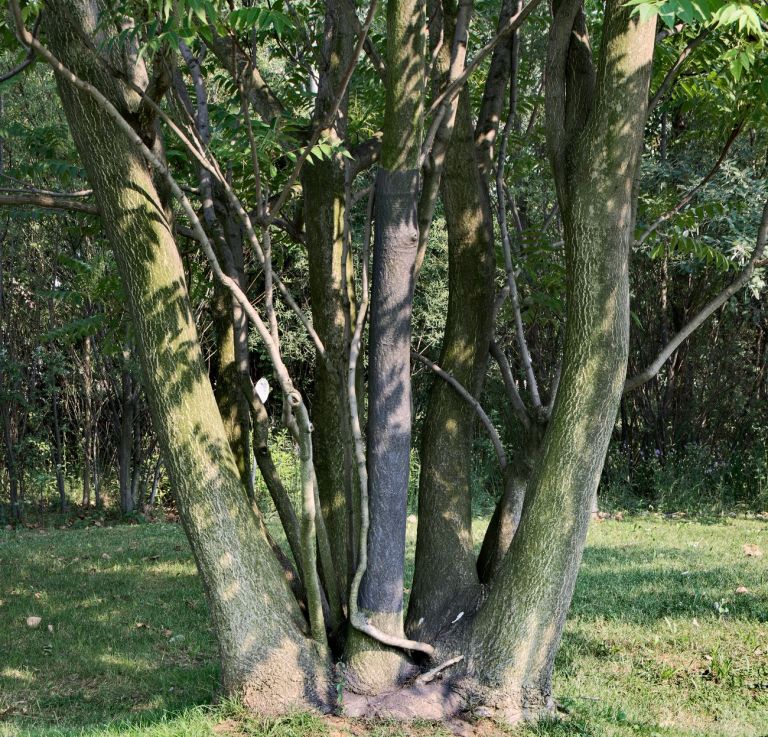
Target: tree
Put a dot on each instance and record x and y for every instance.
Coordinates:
(280, 625)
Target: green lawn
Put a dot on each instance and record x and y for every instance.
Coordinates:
(658, 642)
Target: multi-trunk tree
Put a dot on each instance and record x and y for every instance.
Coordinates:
(138, 80)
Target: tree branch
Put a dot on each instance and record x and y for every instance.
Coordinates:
(48, 201)
(692, 193)
(471, 401)
(738, 283)
(675, 69)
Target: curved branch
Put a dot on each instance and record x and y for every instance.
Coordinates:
(471, 401)
(738, 283)
(688, 197)
(675, 69)
(19, 68)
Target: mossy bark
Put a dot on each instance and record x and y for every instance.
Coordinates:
(517, 632)
(331, 276)
(446, 581)
(266, 659)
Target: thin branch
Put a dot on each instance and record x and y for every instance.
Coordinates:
(522, 344)
(688, 197)
(675, 69)
(738, 283)
(471, 401)
(509, 384)
(18, 69)
(430, 675)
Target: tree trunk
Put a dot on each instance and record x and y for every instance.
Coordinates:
(266, 660)
(516, 635)
(10, 463)
(331, 279)
(446, 581)
(87, 421)
(125, 447)
(372, 668)
(58, 450)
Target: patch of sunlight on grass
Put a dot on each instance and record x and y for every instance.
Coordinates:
(658, 642)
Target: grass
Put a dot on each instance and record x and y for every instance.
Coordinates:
(658, 642)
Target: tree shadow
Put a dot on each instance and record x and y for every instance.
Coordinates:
(642, 586)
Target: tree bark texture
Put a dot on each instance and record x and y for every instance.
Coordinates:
(389, 385)
(516, 635)
(266, 659)
(331, 279)
(445, 579)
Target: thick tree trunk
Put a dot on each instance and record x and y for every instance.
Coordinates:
(445, 581)
(372, 668)
(266, 659)
(516, 635)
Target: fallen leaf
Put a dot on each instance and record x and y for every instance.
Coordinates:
(34, 622)
(752, 551)
(141, 625)
(167, 633)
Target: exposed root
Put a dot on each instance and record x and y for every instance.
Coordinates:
(437, 701)
(430, 675)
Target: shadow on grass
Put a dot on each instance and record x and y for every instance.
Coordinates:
(125, 633)
(642, 585)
